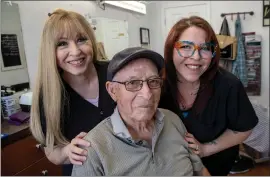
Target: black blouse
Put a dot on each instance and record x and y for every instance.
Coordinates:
(228, 108)
(80, 115)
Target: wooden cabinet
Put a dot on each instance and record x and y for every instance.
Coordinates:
(41, 168)
(26, 158)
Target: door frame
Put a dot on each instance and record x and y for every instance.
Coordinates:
(174, 4)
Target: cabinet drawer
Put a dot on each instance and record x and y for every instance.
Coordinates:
(20, 155)
(42, 168)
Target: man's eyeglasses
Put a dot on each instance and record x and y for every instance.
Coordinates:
(136, 85)
(187, 49)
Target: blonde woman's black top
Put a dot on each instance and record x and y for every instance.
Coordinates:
(78, 114)
(228, 108)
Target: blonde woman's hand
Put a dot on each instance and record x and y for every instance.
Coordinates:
(75, 151)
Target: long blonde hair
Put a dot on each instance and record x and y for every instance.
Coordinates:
(49, 91)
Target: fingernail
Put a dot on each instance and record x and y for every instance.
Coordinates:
(88, 144)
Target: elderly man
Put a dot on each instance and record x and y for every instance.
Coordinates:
(138, 138)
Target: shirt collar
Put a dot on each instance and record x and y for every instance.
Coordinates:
(120, 128)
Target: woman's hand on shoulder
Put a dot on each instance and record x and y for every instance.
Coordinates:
(75, 151)
(195, 145)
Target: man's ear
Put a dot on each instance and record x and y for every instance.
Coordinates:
(111, 90)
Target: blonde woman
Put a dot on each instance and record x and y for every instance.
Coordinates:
(70, 97)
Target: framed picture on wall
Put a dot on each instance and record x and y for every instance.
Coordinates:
(266, 13)
(145, 36)
(11, 51)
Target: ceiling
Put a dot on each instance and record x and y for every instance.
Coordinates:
(146, 2)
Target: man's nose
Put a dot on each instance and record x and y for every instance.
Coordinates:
(146, 91)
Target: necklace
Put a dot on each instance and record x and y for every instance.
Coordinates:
(194, 92)
(191, 96)
(184, 106)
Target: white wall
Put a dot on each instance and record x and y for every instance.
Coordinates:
(250, 24)
(34, 13)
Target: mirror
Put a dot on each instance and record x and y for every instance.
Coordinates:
(14, 78)
(13, 69)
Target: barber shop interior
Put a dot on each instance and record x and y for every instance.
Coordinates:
(134, 88)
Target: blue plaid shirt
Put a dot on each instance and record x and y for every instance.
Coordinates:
(239, 65)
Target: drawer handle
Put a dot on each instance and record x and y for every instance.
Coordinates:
(45, 172)
(38, 146)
